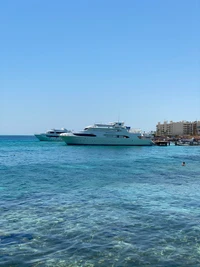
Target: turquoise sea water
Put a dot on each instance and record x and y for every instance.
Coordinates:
(98, 206)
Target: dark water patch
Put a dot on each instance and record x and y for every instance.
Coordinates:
(13, 238)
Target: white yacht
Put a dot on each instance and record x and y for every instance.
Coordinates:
(113, 134)
(52, 135)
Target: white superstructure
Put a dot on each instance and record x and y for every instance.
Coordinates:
(113, 134)
(52, 135)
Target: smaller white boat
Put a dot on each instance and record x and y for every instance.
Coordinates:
(188, 142)
(52, 135)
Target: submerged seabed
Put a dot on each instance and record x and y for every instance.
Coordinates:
(98, 206)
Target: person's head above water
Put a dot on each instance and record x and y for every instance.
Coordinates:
(183, 163)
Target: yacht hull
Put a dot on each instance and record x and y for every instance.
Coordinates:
(44, 137)
(102, 141)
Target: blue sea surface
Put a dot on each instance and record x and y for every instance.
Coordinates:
(83, 206)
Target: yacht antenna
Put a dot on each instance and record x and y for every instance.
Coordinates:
(118, 116)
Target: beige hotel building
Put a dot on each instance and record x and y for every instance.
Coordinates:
(178, 128)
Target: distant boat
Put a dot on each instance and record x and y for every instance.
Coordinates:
(113, 134)
(52, 135)
(188, 142)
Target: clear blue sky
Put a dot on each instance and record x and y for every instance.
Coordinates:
(72, 63)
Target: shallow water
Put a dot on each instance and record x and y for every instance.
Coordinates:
(98, 206)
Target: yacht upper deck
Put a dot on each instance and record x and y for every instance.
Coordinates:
(106, 126)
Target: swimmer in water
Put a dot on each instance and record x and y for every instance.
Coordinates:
(183, 163)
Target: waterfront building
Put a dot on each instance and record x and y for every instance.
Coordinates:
(178, 128)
